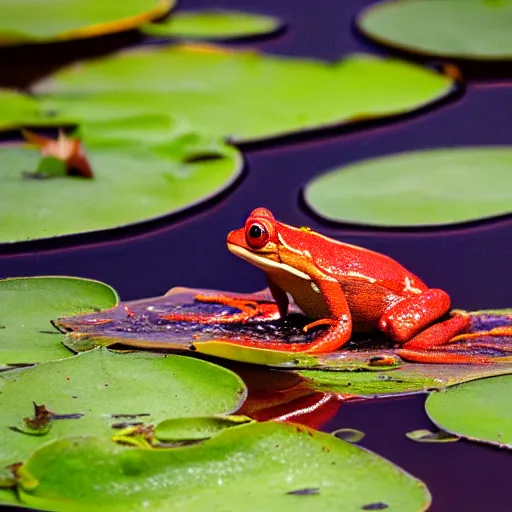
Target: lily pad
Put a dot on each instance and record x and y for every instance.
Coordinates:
(134, 181)
(92, 392)
(416, 189)
(425, 436)
(18, 110)
(479, 410)
(31, 21)
(466, 29)
(194, 429)
(254, 467)
(213, 24)
(243, 95)
(27, 307)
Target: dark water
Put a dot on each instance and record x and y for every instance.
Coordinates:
(471, 263)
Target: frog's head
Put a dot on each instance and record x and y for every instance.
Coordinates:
(258, 241)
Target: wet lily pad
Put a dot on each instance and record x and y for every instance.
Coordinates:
(254, 467)
(134, 180)
(31, 21)
(467, 29)
(416, 189)
(213, 24)
(92, 392)
(27, 307)
(234, 93)
(479, 410)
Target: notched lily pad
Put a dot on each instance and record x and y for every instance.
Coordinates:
(229, 100)
(29, 305)
(254, 467)
(470, 29)
(213, 25)
(31, 21)
(92, 392)
(413, 189)
(479, 411)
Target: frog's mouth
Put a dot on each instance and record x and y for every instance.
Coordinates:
(264, 262)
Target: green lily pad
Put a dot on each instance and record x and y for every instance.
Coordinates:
(194, 429)
(479, 410)
(466, 29)
(408, 378)
(243, 95)
(134, 181)
(416, 189)
(31, 21)
(349, 435)
(99, 389)
(17, 110)
(213, 24)
(254, 468)
(27, 307)
(425, 436)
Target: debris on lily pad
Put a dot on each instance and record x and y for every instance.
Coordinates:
(94, 393)
(254, 467)
(28, 305)
(33, 21)
(413, 189)
(470, 29)
(479, 411)
(229, 102)
(141, 172)
(64, 150)
(426, 436)
(213, 25)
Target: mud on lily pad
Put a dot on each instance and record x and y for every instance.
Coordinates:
(213, 25)
(364, 367)
(33, 21)
(416, 188)
(253, 467)
(28, 306)
(220, 90)
(91, 393)
(142, 171)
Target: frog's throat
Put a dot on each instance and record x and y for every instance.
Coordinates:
(264, 263)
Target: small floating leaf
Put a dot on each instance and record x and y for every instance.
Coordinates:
(468, 29)
(31, 21)
(193, 429)
(92, 391)
(220, 91)
(416, 189)
(479, 411)
(28, 305)
(213, 24)
(350, 435)
(260, 466)
(426, 436)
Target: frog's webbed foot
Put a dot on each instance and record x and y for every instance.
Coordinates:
(247, 309)
(323, 321)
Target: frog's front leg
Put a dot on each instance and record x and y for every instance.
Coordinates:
(409, 320)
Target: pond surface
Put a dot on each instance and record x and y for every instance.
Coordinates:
(472, 263)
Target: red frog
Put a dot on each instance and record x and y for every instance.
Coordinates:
(346, 287)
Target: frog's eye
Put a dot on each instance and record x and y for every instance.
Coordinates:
(256, 235)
